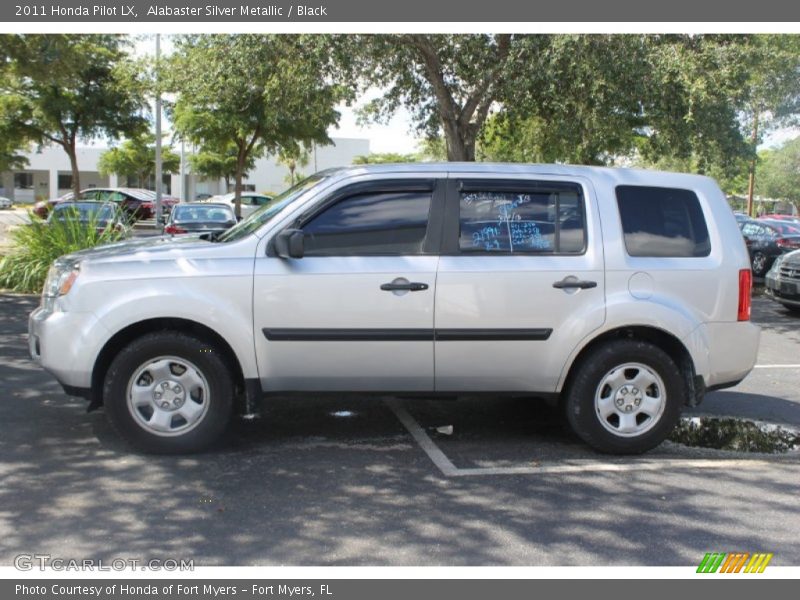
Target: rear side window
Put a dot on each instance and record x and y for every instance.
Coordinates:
(373, 223)
(662, 222)
(539, 221)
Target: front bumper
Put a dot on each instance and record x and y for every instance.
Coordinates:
(783, 289)
(66, 344)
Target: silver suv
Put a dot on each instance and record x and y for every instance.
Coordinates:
(623, 295)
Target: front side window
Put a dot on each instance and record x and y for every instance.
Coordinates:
(662, 222)
(539, 221)
(370, 223)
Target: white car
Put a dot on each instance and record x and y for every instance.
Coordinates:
(251, 201)
(5, 203)
(623, 295)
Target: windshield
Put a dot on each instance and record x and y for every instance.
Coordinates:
(266, 212)
(221, 213)
(83, 211)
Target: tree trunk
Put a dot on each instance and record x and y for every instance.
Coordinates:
(69, 148)
(460, 143)
(237, 190)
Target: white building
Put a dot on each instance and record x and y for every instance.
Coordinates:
(48, 173)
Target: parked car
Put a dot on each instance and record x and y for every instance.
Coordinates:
(431, 279)
(251, 201)
(765, 241)
(202, 196)
(103, 215)
(783, 280)
(5, 203)
(136, 202)
(200, 218)
(781, 217)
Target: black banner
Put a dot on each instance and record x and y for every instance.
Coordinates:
(441, 11)
(394, 589)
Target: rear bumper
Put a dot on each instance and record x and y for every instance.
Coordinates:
(732, 352)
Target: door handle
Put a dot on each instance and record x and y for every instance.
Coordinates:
(572, 282)
(411, 286)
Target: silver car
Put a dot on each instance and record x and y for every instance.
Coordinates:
(623, 295)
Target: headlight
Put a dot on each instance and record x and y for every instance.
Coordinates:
(778, 262)
(60, 278)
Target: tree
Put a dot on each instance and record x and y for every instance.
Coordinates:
(293, 157)
(63, 88)
(567, 98)
(780, 177)
(216, 163)
(772, 91)
(136, 157)
(448, 82)
(256, 93)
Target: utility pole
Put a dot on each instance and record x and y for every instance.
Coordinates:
(159, 176)
(751, 182)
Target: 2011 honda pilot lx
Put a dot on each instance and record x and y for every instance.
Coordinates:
(622, 294)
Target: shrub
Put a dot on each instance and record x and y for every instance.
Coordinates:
(38, 244)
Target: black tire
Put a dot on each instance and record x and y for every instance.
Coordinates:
(759, 264)
(217, 401)
(795, 310)
(580, 405)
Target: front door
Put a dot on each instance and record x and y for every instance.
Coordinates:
(356, 312)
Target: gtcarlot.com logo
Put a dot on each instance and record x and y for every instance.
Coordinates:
(734, 562)
(29, 562)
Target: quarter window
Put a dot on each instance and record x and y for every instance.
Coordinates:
(539, 221)
(376, 223)
(662, 222)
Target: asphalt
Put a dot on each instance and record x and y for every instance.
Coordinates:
(362, 481)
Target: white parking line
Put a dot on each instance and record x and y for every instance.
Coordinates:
(777, 367)
(448, 469)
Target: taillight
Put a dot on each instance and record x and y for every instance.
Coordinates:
(174, 229)
(745, 285)
(788, 243)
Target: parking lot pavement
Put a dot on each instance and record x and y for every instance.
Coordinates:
(358, 481)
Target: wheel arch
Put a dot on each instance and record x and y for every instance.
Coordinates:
(135, 330)
(660, 338)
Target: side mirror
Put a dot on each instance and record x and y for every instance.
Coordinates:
(289, 244)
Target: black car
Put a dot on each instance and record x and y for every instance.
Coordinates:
(783, 281)
(766, 240)
(198, 217)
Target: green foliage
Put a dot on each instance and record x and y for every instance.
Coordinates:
(585, 99)
(136, 157)
(780, 173)
(216, 163)
(256, 93)
(60, 88)
(381, 158)
(38, 244)
(293, 157)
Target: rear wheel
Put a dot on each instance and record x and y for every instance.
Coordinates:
(759, 264)
(169, 392)
(625, 397)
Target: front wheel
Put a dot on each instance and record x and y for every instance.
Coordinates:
(625, 397)
(169, 393)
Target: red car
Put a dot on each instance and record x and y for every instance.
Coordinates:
(137, 203)
(777, 217)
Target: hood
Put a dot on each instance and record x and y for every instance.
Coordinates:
(153, 248)
(792, 258)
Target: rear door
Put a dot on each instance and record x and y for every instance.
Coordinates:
(520, 282)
